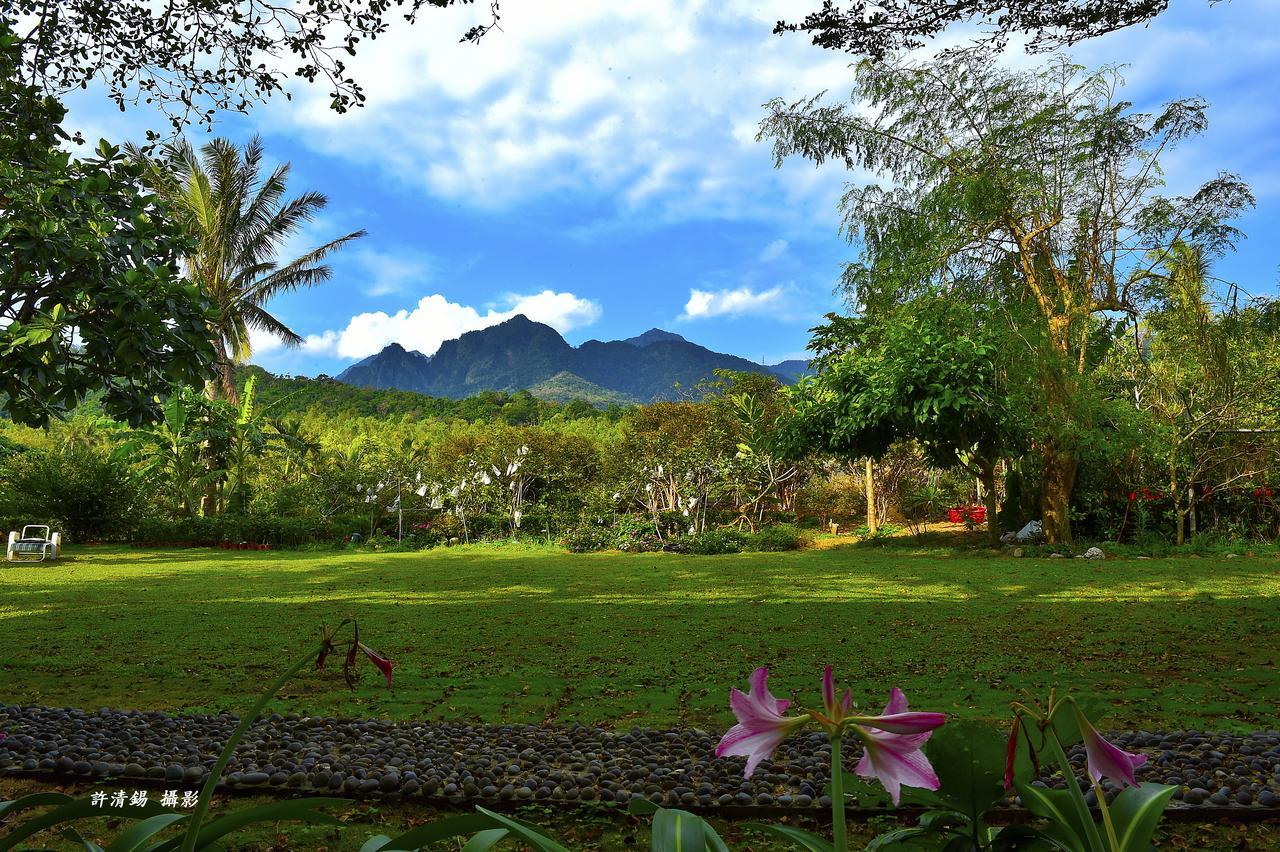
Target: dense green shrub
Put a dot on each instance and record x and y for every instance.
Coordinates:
(250, 529)
(775, 538)
(588, 539)
(716, 541)
(635, 534)
(81, 491)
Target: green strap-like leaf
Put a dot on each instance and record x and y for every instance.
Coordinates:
(143, 831)
(375, 843)
(890, 839)
(530, 833)
(297, 810)
(35, 800)
(1024, 838)
(806, 840)
(76, 837)
(942, 820)
(71, 811)
(483, 841)
(713, 840)
(675, 830)
(434, 832)
(1136, 812)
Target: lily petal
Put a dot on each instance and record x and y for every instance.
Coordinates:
(384, 665)
(761, 726)
(1106, 760)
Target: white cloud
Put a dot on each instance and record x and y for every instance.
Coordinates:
(434, 319)
(385, 273)
(705, 304)
(773, 251)
(652, 107)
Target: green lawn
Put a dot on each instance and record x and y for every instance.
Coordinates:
(520, 634)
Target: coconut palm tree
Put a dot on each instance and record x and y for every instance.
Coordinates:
(240, 222)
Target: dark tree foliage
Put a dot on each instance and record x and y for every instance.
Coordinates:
(879, 28)
(192, 58)
(91, 299)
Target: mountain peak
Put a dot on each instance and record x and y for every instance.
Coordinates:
(523, 354)
(655, 335)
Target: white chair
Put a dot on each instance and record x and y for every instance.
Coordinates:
(36, 544)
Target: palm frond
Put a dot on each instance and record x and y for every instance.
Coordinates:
(258, 318)
(303, 272)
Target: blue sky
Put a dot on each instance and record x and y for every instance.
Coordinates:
(593, 165)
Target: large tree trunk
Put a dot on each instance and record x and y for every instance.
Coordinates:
(223, 385)
(1057, 481)
(989, 501)
(870, 482)
(1175, 491)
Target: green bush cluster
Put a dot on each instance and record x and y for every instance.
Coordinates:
(636, 535)
(251, 529)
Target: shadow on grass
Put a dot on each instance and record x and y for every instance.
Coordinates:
(505, 635)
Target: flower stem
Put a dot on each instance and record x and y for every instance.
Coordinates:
(1077, 798)
(1106, 816)
(215, 774)
(839, 836)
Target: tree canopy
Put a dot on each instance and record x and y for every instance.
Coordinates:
(91, 297)
(239, 220)
(1039, 189)
(193, 58)
(888, 26)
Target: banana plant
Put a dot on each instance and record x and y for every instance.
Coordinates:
(172, 451)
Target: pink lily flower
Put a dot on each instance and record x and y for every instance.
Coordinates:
(761, 726)
(384, 665)
(1105, 759)
(892, 744)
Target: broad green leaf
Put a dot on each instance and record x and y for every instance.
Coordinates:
(482, 841)
(375, 843)
(804, 839)
(1136, 812)
(960, 843)
(1057, 807)
(674, 830)
(640, 806)
(968, 758)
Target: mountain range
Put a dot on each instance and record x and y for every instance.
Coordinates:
(521, 354)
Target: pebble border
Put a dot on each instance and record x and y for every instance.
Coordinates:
(515, 764)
